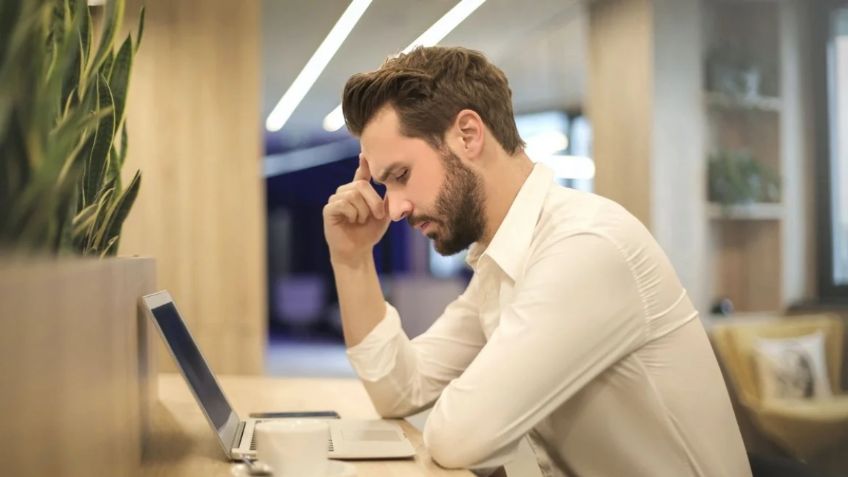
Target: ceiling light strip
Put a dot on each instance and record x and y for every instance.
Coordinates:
(316, 64)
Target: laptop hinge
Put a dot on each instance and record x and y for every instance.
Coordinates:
(238, 435)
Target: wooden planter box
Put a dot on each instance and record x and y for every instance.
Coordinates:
(77, 377)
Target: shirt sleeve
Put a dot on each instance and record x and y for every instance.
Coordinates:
(576, 312)
(404, 376)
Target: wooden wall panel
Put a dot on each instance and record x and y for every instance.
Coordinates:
(678, 168)
(797, 138)
(195, 132)
(645, 105)
(747, 266)
(619, 101)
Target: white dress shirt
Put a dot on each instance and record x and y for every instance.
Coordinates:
(574, 331)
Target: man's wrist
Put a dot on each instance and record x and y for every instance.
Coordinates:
(351, 262)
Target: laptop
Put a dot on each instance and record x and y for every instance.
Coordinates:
(349, 438)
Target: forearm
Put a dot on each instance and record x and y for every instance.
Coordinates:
(360, 297)
(404, 376)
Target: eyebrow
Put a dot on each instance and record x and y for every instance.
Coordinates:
(385, 175)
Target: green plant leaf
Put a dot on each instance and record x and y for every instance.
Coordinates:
(84, 220)
(16, 175)
(120, 77)
(125, 142)
(72, 79)
(106, 67)
(89, 106)
(86, 40)
(115, 169)
(121, 208)
(14, 170)
(22, 52)
(72, 131)
(72, 140)
(111, 248)
(98, 160)
(140, 28)
(97, 231)
(58, 23)
(112, 20)
(49, 93)
(110, 185)
(64, 236)
(10, 18)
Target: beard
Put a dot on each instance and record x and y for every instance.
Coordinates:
(459, 209)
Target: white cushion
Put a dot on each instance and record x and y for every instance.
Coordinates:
(792, 368)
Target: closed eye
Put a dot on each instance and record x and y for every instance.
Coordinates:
(403, 176)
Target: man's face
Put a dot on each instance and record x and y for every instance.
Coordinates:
(437, 194)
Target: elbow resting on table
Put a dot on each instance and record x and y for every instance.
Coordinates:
(396, 409)
(390, 411)
(453, 446)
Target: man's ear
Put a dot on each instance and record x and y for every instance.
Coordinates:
(469, 130)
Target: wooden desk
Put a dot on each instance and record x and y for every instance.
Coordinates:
(183, 444)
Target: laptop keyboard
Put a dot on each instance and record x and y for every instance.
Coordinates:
(253, 442)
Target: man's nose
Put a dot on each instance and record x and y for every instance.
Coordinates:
(399, 207)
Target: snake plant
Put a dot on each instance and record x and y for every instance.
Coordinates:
(63, 132)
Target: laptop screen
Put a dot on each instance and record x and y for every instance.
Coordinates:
(193, 366)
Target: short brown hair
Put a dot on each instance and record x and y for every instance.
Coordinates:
(428, 87)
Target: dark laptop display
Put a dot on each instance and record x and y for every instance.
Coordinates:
(193, 365)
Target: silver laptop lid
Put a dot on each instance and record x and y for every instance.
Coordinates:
(200, 379)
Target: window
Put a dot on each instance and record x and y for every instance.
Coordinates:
(832, 139)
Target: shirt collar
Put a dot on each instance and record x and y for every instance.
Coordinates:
(512, 239)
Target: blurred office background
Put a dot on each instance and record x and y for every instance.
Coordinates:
(721, 124)
(684, 97)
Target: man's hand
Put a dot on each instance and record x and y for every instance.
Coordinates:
(355, 217)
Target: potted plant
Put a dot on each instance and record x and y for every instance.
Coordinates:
(63, 132)
(736, 178)
(71, 324)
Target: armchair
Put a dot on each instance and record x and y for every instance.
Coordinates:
(803, 428)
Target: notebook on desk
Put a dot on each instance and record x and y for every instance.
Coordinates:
(349, 438)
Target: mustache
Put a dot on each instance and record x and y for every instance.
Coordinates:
(414, 221)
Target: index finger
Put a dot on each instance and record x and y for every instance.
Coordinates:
(363, 172)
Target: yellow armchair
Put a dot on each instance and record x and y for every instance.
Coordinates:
(802, 428)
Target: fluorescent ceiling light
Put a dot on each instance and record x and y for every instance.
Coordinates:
(335, 120)
(436, 33)
(307, 76)
(568, 167)
(446, 24)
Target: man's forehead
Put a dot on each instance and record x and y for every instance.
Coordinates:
(384, 148)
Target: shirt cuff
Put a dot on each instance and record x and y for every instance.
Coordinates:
(375, 356)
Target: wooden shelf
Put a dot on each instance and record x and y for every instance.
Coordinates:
(743, 103)
(757, 211)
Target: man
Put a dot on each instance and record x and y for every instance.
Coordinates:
(574, 329)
